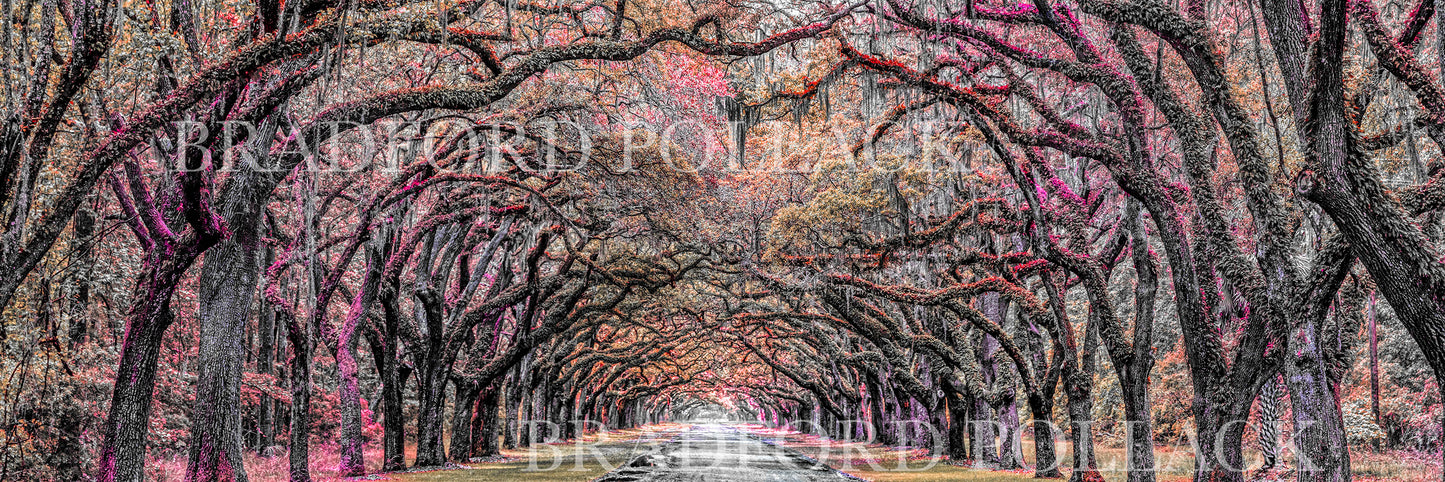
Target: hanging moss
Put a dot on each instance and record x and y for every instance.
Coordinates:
(823, 99)
(741, 118)
(800, 110)
(868, 88)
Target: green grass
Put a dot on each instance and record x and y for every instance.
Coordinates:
(503, 471)
(561, 462)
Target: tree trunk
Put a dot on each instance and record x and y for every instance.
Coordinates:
(881, 433)
(1046, 460)
(1134, 372)
(984, 432)
(353, 444)
(266, 341)
(513, 401)
(1388, 244)
(957, 424)
(547, 408)
(1289, 27)
(433, 373)
(1078, 378)
(540, 432)
(566, 415)
(466, 400)
(299, 458)
(524, 427)
(393, 423)
(1081, 419)
(1140, 430)
(394, 375)
(485, 424)
(983, 435)
(1375, 361)
(1220, 438)
(79, 330)
(898, 416)
(227, 283)
(1319, 428)
(122, 453)
(1010, 453)
(515, 394)
(432, 391)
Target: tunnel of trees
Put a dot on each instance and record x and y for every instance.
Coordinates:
(450, 228)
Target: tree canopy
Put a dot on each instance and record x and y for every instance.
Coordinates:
(264, 227)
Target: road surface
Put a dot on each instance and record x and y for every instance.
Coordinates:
(721, 453)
